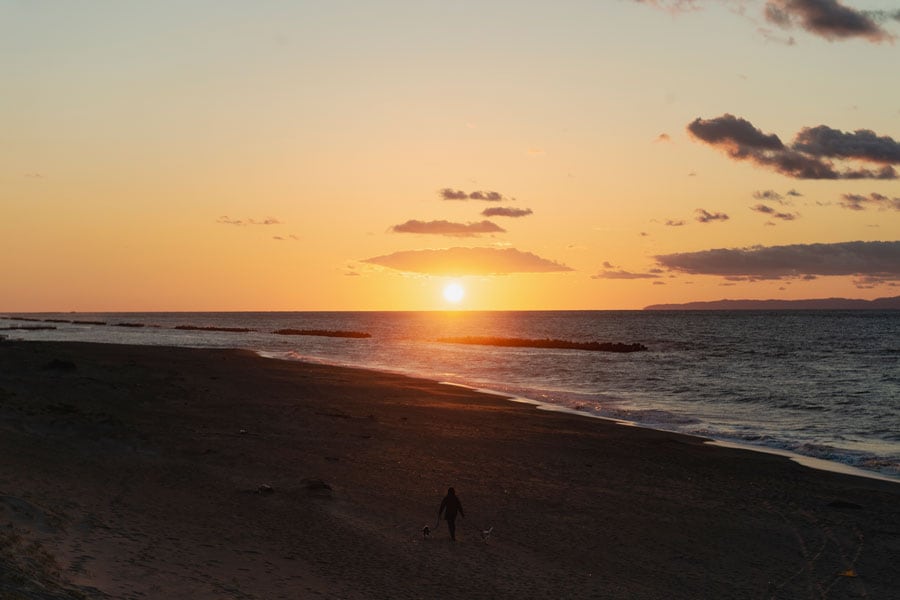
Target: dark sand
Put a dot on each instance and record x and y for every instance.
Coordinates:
(125, 474)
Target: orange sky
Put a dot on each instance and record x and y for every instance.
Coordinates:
(360, 156)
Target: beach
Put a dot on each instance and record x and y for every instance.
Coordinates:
(158, 472)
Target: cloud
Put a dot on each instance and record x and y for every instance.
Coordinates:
(862, 144)
(768, 210)
(663, 137)
(673, 6)
(447, 228)
(826, 18)
(486, 196)
(874, 260)
(794, 193)
(704, 216)
(769, 195)
(674, 223)
(621, 274)
(771, 37)
(451, 194)
(503, 211)
(737, 135)
(467, 261)
(226, 220)
(283, 238)
(808, 157)
(873, 200)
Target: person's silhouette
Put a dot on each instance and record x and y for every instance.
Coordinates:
(450, 505)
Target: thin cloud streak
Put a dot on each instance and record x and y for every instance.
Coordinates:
(622, 274)
(505, 211)
(489, 196)
(448, 228)
(226, 220)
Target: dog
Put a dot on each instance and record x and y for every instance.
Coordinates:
(485, 534)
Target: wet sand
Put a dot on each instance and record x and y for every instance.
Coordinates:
(148, 472)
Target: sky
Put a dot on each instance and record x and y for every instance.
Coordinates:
(333, 155)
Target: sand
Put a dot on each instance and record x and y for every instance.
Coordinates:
(136, 472)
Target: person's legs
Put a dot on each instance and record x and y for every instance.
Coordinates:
(451, 525)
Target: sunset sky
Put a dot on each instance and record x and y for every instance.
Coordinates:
(333, 155)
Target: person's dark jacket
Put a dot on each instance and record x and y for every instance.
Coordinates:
(450, 505)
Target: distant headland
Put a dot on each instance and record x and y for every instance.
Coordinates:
(892, 303)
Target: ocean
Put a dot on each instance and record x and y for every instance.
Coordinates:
(817, 384)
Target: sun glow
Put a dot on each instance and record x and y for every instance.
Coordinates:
(454, 292)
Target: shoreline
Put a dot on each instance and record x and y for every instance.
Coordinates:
(140, 470)
(828, 438)
(811, 462)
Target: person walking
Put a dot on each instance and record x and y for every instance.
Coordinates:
(451, 505)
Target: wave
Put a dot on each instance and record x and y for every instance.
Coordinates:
(545, 343)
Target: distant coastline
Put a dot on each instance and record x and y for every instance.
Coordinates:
(891, 303)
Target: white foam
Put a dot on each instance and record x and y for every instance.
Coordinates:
(807, 461)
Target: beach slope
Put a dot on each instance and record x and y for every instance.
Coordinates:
(148, 472)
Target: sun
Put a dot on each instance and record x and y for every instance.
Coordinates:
(454, 292)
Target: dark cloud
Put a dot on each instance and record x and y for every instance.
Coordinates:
(674, 223)
(829, 19)
(226, 220)
(503, 211)
(873, 200)
(486, 196)
(768, 210)
(467, 261)
(735, 134)
(794, 193)
(451, 194)
(826, 18)
(808, 157)
(704, 216)
(879, 260)
(862, 144)
(768, 195)
(447, 228)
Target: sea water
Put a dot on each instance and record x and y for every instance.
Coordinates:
(822, 384)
